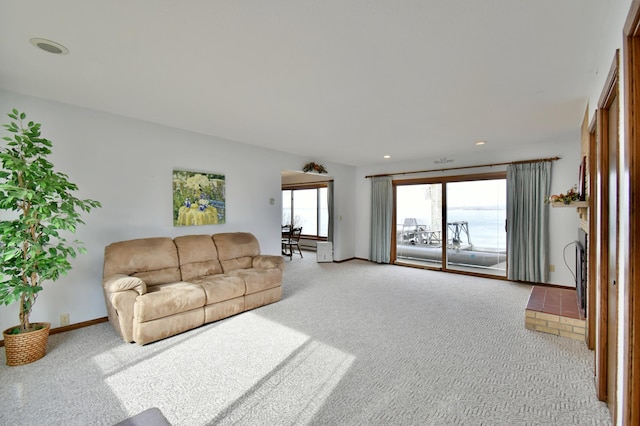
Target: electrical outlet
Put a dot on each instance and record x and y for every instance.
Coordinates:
(552, 268)
(64, 319)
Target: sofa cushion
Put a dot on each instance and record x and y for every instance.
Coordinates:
(236, 250)
(227, 308)
(266, 261)
(167, 299)
(198, 256)
(221, 287)
(235, 264)
(259, 279)
(154, 260)
(150, 331)
(254, 300)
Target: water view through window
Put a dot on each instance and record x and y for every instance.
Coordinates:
(306, 208)
(468, 234)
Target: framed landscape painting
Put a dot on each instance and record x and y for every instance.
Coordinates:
(198, 198)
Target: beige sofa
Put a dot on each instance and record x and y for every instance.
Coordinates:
(158, 287)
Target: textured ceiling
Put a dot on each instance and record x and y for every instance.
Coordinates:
(345, 81)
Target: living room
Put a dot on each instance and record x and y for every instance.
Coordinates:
(126, 162)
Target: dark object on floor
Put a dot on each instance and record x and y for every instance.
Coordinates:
(149, 417)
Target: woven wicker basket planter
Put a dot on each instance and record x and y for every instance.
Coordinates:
(25, 348)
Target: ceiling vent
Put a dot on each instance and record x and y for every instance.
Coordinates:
(443, 161)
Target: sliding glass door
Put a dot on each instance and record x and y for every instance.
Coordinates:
(419, 233)
(476, 227)
(454, 224)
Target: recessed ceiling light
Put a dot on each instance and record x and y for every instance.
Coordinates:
(49, 46)
(387, 156)
(481, 143)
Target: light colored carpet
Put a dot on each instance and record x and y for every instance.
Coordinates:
(350, 344)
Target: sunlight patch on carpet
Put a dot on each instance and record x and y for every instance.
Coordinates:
(244, 366)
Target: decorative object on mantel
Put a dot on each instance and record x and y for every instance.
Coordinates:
(314, 167)
(582, 179)
(577, 204)
(571, 196)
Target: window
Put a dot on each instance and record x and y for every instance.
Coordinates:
(307, 207)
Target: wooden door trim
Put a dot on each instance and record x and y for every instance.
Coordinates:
(592, 252)
(610, 92)
(602, 254)
(631, 273)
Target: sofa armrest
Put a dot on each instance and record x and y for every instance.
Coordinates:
(121, 282)
(120, 293)
(266, 261)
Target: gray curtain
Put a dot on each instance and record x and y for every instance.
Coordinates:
(381, 217)
(330, 210)
(528, 185)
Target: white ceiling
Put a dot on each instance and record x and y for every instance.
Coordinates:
(340, 80)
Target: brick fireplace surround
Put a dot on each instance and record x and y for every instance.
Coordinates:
(555, 311)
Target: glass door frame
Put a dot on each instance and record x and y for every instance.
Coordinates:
(440, 180)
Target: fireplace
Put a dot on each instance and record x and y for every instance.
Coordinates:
(561, 311)
(581, 270)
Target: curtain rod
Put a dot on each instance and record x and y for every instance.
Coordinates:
(539, 160)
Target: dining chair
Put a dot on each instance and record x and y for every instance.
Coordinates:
(290, 244)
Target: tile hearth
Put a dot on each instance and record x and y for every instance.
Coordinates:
(555, 311)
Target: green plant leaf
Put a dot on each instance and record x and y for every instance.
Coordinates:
(32, 248)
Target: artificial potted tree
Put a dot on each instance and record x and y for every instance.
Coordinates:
(38, 211)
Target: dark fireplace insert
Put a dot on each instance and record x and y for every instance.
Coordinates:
(581, 270)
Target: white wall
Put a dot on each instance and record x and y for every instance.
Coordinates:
(127, 165)
(613, 16)
(563, 222)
